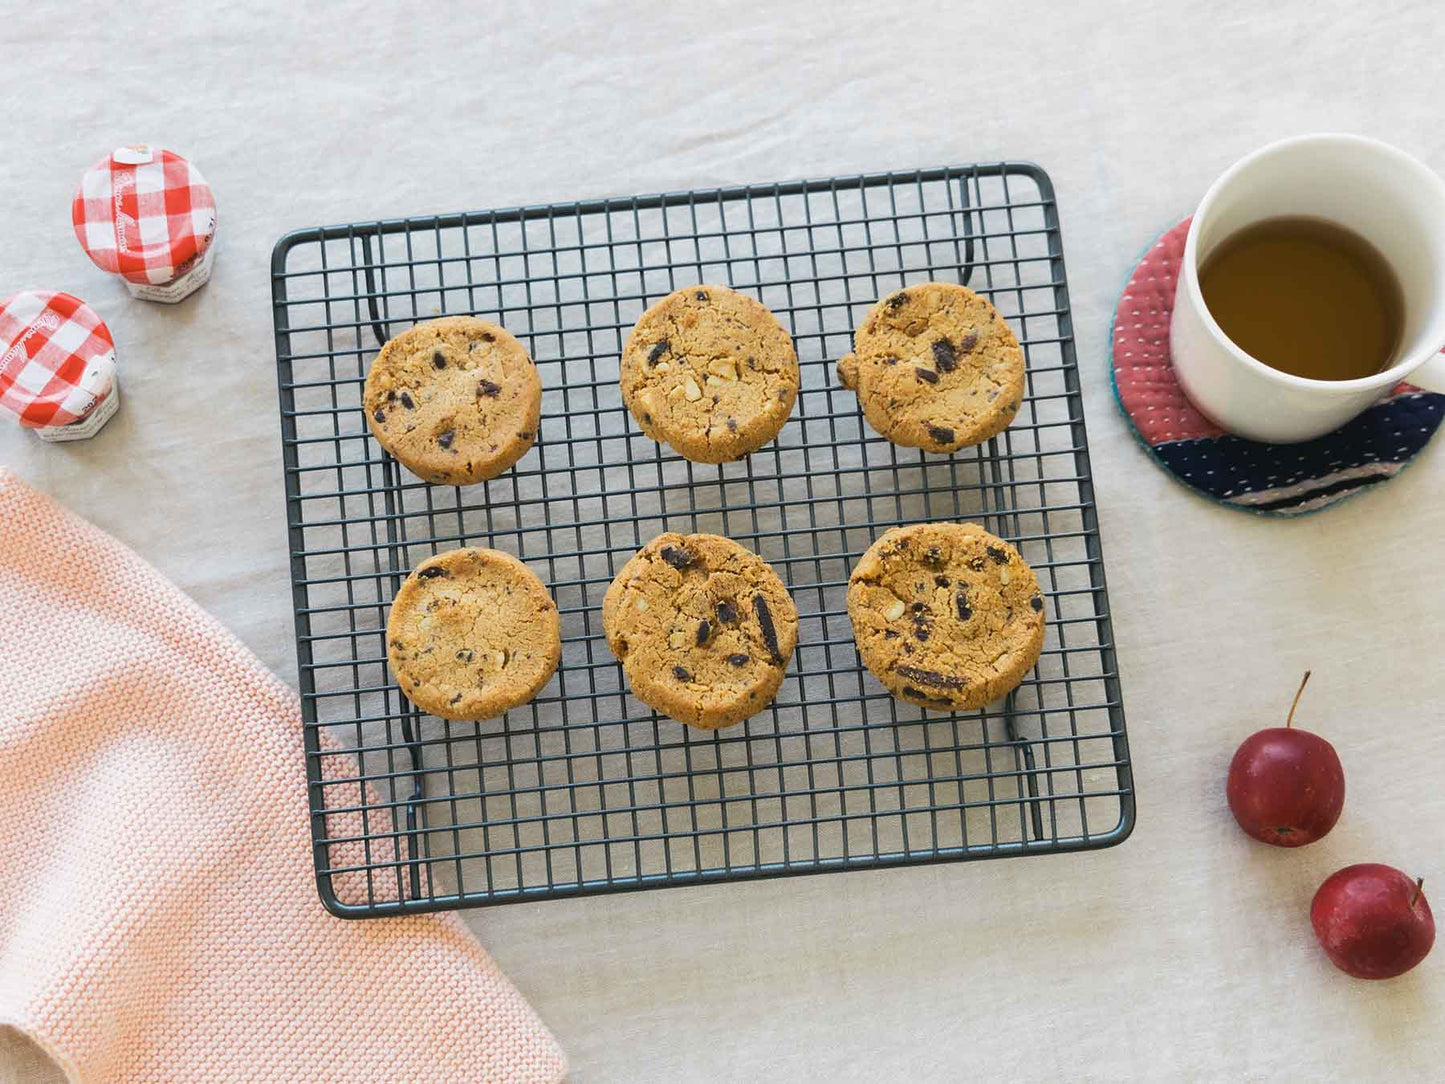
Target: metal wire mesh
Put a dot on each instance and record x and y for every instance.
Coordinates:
(585, 789)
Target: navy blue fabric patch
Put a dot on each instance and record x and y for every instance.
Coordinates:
(1227, 467)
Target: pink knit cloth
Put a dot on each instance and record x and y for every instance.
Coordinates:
(158, 915)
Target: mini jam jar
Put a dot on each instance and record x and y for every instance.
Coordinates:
(57, 365)
(147, 215)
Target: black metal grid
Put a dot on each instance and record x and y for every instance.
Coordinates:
(586, 790)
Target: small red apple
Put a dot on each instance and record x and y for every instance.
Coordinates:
(1286, 787)
(1374, 921)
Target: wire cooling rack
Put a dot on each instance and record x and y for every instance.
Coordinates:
(585, 789)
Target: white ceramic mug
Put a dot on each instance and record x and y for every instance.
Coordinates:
(1383, 194)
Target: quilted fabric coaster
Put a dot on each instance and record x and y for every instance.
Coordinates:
(1268, 479)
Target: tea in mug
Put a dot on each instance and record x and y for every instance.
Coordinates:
(1306, 296)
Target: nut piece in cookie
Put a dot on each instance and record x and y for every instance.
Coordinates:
(455, 400)
(946, 615)
(472, 633)
(711, 373)
(703, 628)
(935, 367)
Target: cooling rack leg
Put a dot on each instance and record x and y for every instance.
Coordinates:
(966, 274)
(408, 733)
(413, 855)
(1024, 750)
(377, 327)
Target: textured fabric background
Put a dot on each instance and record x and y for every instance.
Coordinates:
(1185, 953)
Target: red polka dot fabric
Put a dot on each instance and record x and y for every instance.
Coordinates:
(1274, 479)
(1143, 372)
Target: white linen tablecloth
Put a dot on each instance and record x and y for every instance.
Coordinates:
(1184, 954)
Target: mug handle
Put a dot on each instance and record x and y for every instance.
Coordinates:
(1431, 374)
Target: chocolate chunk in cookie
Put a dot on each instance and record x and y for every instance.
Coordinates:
(932, 677)
(769, 630)
(943, 356)
(677, 556)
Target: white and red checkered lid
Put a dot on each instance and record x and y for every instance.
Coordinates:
(57, 358)
(144, 213)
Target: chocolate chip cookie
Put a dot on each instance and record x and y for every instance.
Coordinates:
(935, 367)
(710, 372)
(703, 628)
(946, 615)
(472, 633)
(455, 400)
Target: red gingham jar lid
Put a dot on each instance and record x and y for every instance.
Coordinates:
(57, 358)
(144, 213)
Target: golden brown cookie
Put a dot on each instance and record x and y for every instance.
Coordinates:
(703, 628)
(935, 367)
(710, 372)
(455, 400)
(946, 615)
(472, 633)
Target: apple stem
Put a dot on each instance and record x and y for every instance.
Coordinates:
(1289, 719)
(1419, 887)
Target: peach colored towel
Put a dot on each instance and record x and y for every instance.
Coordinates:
(158, 916)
